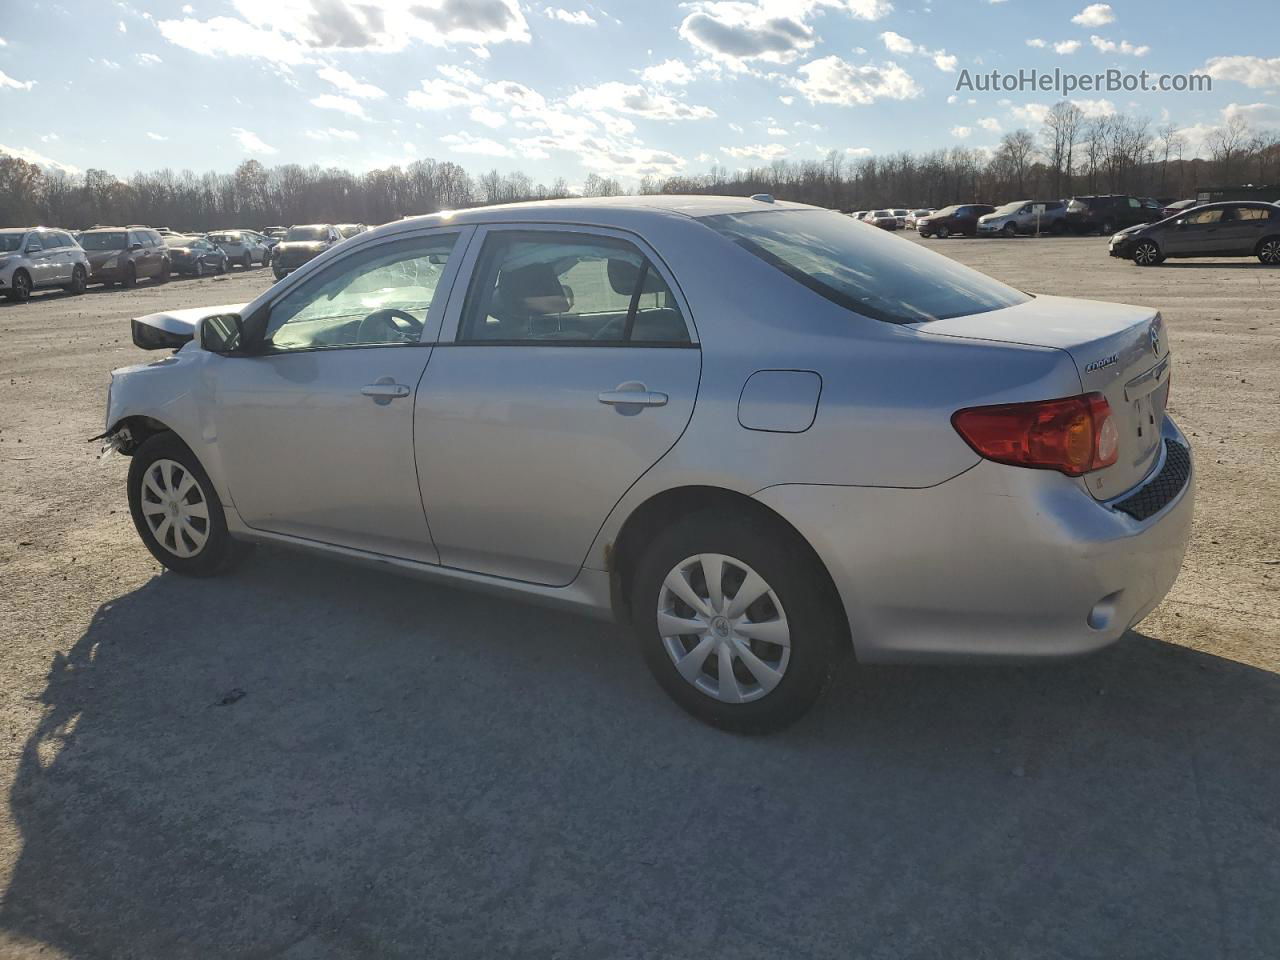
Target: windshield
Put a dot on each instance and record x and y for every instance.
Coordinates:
(307, 233)
(1010, 207)
(225, 237)
(348, 230)
(865, 271)
(104, 241)
(946, 211)
(11, 242)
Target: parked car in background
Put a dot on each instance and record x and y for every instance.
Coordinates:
(958, 219)
(243, 248)
(274, 233)
(125, 255)
(263, 239)
(709, 486)
(195, 256)
(1107, 214)
(348, 230)
(1020, 216)
(858, 214)
(37, 258)
(1239, 229)
(1177, 207)
(301, 244)
(902, 217)
(914, 216)
(884, 219)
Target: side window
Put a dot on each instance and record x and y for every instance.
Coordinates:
(33, 243)
(1206, 216)
(560, 288)
(1252, 213)
(378, 296)
(64, 240)
(1135, 202)
(134, 237)
(155, 238)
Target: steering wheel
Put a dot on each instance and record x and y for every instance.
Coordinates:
(405, 325)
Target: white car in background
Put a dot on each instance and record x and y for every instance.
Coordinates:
(39, 257)
(243, 248)
(914, 216)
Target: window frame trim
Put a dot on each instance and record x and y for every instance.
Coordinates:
(449, 334)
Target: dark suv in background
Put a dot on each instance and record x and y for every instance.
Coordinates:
(302, 243)
(125, 256)
(959, 218)
(1106, 215)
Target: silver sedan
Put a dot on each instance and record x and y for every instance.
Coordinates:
(763, 435)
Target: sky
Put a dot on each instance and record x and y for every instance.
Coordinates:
(622, 88)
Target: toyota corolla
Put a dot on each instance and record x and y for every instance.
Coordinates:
(762, 435)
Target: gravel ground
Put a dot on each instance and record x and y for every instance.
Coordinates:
(307, 760)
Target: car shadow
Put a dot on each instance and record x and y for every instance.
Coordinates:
(1215, 265)
(310, 760)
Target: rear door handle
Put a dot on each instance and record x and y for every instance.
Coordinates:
(384, 391)
(633, 398)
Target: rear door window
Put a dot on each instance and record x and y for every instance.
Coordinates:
(548, 287)
(1253, 213)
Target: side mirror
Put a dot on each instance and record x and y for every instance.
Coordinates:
(1180, 223)
(135, 246)
(223, 333)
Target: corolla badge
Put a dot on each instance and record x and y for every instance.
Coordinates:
(1104, 362)
(1154, 333)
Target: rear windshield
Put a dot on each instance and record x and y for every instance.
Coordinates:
(348, 230)
(225, 237)
(866, 271)
(11, 242)
(104, 241)
(178, 241)
(307, 233)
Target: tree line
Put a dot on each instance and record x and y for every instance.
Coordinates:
(1071, 154)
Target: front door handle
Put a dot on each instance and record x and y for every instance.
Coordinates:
(384, 391)
(633, 395)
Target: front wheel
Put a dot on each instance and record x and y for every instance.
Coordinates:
(79, 281)
(736, 621)
(1269, 251)
(942, 233)
(1107, 228)
(20, 287)
(130, 278)
(245, 262)
(1010, 230)
(1146, 254)
(176, 511)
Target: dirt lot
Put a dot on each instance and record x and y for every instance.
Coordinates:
(412, 771)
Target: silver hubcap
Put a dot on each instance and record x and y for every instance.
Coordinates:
(175, 508)
(1271, 251)
(1146, 253)
(724, 628)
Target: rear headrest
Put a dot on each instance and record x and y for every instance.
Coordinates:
(534, 289)
(623, 275)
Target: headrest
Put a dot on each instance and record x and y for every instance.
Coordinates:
(534, 289)
(623, 275)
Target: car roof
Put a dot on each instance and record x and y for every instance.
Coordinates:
(609, 211)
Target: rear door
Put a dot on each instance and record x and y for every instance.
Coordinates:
(569, 368)
(1249, 223)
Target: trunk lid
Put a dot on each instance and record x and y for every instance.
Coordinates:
(1119, 351)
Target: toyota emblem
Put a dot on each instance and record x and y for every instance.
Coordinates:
(1155, 337)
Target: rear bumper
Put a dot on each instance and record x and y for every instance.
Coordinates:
(997, 563)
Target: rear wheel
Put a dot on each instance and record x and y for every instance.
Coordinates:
(163, 275)
(199, 268)
(79, 281)
(735, 620)
(1269, 251)
(20, 287)
(1147, 254)
(223, 265)
(130, 276)
(245, 262)
(176, 511)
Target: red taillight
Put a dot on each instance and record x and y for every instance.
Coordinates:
(1073, 435)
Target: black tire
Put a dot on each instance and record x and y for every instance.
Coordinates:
(219, 552)
(245, 261)
(1269, 251)
(163, 275)
(1059, 228)
(130, 276)
(1010, 230)
(223, 266)
(79, 281)
(814, 618)
(20, 287)
(942, 233)
(280, 274)
(1147, 254)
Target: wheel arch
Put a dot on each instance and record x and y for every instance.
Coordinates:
(1257, 247)
(674, 504)
(130, 432)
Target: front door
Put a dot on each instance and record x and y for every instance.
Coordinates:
(1197, 236)
(572, 371)
(316, 431)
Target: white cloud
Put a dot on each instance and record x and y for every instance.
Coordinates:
(1257, 114)
(1096, 108)
(990, 124)
(1066, 47)
(668, 73)
(777, 131)
(945, 61)
(1251, 71)
(297, 31)
(121, 27)
(1124, 46)
(489, 118)
(3, 42)
(1095, 15)
(637, 100)
(328, 134)
(734, 33)
(49, 138)
(832, 80)
(330, 101)
(156, 136)
(349, 85)
(1035, 42)
(762, 151)
(8, 82)
(39, 159)
(250, 142)
(577, 17)
(858, 151)
(961, 132)
(787, 101)
(1031, 113)
(897, 43)
(148, 59)
(466, 143)
(109, 64)
(952, 99)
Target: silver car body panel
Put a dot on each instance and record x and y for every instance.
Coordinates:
(526, 480)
